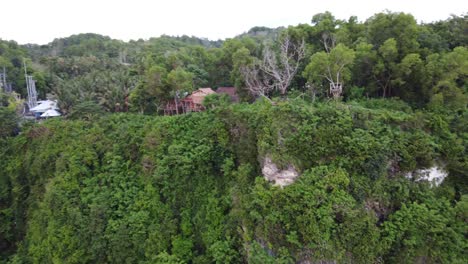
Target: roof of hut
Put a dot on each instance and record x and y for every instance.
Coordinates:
(198, 95)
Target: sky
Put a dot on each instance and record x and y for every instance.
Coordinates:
(40, 22)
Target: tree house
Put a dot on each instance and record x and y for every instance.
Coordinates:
(336, 89)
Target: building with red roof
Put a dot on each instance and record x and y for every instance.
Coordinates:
(230, 91)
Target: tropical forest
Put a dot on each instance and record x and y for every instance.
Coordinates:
(334, 141)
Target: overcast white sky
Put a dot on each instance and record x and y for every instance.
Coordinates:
(34, 21)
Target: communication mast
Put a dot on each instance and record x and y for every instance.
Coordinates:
(31, 87)
(2, 79)
(3, 82)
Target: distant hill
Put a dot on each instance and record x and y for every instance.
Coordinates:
(262, 33)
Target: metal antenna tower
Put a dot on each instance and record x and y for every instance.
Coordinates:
(3, 82)
(2, 79)
(31, 87)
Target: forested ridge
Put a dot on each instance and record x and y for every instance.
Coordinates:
(114, 181)
(388, 55)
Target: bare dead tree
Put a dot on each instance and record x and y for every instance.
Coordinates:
(275, 71)
(283, 67)
(257, 83)
(329, 41)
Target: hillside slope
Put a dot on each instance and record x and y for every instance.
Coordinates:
(188, 189)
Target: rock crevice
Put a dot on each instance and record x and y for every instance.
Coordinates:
(279, 177)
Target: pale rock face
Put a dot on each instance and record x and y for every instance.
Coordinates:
(435, 175)
(272, 173)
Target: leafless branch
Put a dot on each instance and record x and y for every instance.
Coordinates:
(282, 69)
(275, 71)
(255, 81)
(329, 41)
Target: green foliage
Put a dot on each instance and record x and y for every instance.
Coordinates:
(332, 66)
(389, 55)
(216, 101)
(425, 231)
(8, 122)
(180, 80)
(149, 95)
(356, 93)
(402, 27)
(129, 188)
(8, 117)
(187, 189)
(87, 110)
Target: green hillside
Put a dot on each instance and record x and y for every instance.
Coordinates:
(349, 145)
(188, 189)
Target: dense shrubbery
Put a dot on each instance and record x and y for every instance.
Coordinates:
(122, 188)
(188, 189)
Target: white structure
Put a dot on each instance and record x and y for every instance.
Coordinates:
(44, 105)
(45, 108)
(51, 113)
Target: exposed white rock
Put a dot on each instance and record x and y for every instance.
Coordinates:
(272, 173)
(435, 175)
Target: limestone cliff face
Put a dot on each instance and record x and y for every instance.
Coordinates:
(435, 175)
(272, 173)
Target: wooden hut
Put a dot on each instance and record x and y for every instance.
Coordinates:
(191, 103)
(194, 102)
(171, 108)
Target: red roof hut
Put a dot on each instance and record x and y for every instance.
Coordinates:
(230, 91)
(191, 103)
(194, 102)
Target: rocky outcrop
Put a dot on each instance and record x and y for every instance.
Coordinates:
(435, 175)
(272, 173)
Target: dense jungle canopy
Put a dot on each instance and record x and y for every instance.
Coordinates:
(114, 181)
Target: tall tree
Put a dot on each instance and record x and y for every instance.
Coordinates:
(399, 26)
(150, 95)
(384, 70)
(332, 66)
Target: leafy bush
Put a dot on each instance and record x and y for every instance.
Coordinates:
(216, 100)
(87, 110)
(8, 122)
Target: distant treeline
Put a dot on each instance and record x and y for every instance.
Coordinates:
(390, 55)
(105, 187)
